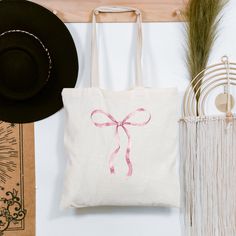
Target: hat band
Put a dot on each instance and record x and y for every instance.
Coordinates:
(41, 43)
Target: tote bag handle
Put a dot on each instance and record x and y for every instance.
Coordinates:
(116, 9)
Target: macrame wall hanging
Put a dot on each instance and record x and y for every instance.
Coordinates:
(208, 149)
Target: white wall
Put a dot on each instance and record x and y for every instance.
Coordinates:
(164, 66)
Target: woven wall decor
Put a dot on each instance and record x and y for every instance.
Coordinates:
(208, 148)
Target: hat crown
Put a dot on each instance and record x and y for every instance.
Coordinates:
(17, 70)
(24, 65)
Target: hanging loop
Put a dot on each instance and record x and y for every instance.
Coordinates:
(116, 9)
(229, 115)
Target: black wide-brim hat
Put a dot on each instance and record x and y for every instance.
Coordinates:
(38, 59)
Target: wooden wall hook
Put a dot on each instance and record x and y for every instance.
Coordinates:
(71, 11)
(55, 12)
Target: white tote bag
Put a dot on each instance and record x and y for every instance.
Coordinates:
(122, 146)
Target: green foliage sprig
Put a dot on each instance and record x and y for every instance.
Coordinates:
(202, 18)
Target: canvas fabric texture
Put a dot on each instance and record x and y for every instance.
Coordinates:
(121, 146)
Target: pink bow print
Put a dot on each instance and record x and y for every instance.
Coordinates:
(122, 124)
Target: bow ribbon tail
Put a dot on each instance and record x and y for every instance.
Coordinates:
(113, 155)
(127, 154)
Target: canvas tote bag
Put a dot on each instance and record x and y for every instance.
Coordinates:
(121, 146)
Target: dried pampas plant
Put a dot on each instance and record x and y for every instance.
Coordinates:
(202, 18)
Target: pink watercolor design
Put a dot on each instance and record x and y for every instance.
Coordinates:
(120, 124)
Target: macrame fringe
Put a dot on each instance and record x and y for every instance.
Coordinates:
(208, 176)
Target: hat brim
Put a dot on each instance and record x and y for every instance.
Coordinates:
(28, 16)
